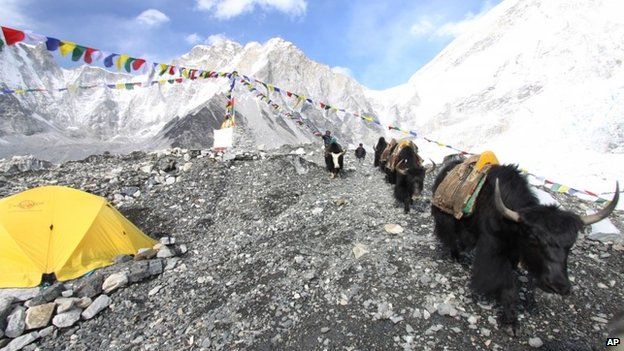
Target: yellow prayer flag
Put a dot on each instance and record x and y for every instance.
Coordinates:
(121, 61)
(67, 47)
(120, 86)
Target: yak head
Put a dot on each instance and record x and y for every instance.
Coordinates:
(548, 234)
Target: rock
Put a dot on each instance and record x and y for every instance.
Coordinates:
(19, 295)
(98, 305)
(167, 240)
(114, 282)
(187, 166)
(67, 293)
(170, 180)
(146, 254)
(65, 303)
(396, 319)
(139, 271)
(165, 252)
(5, 309)
(130, 190)
(155, 267)
(341, 202)
(171, 263)
(84, 302)
(360, 250)
(47, 295)
(90, 286)
(67, 319)
(122, 259)
(182, 249)
(444, 309)
(324, 330)
(16, 322)
(317, 211)
(393, 228)
(486, 332)
(154, 291)
(21, 342)
(39, 316)
(46, 331)
(535, 342)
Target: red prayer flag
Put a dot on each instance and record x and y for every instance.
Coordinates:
(13, 36)
(137, 63)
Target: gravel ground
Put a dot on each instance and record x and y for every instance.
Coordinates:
(272, 264)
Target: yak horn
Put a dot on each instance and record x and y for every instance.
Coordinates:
(605, 212)
(500, 206)
(432, 168)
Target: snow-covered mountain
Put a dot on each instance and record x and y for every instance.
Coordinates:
(74, 123)
(537, 81)
(540, 82)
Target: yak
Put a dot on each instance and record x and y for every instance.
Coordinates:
(409, 176)
(508, 227)
(334, 158)
(385, 154)
(379, 148)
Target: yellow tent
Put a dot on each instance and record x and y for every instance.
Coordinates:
(60, 230)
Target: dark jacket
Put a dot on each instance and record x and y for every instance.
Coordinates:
(360, 152)
(326, 139)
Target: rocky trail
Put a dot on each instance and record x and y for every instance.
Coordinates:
(283, 258)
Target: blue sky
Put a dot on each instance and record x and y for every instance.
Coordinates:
(379, 43)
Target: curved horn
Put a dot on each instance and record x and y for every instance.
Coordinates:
(602, 214)
(432, 168)
(500, 206)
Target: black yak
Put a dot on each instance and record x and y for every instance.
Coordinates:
(334, 158)
(508, 226)
(408, 174)
(379, 148)
(385, 154)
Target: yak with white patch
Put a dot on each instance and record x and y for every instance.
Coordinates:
(508, 227)
(334, 159)
(379, 148)
(408, 175)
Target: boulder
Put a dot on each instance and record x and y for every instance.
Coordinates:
(21, 342)
(155, 267)
(39, 316)
(96, 307)
(90, 286)
(5, 309)
(138, 271)
(65, 304)
(16, 322)
(47, 295)
(67, 319)
(146, 254)
(115, 281)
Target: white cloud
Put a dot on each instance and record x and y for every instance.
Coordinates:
(152, 17)
(12, 14)
(342, 70)
(216, 38)
(422, 27)
(226, 9)
(193, 39)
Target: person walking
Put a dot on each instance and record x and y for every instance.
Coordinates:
(360, 153)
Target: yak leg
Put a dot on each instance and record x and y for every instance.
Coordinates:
(493, 275)
(446, 229)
